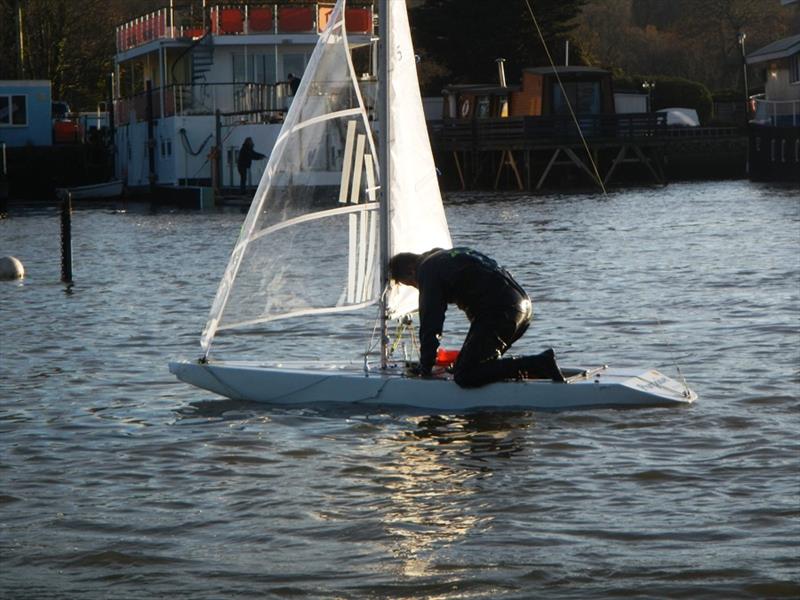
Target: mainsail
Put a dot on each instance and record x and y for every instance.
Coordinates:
(310, 243)
(417, 221)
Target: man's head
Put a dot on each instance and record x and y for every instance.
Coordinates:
(403, 268)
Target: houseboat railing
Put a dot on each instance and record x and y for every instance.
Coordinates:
(205, 99)
(776, 113)
(191, 22)
(271, 99)
(535, 131)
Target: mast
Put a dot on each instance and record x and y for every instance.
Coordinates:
(383, 159)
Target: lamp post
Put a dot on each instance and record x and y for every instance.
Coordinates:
(649, 86)
(740, 38)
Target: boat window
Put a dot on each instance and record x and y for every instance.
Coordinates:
(584, 96)
(264, 68)
(14, 110)
(294, 63)
(794, 69)
(260, 68)
(239, 72)
(483, 107)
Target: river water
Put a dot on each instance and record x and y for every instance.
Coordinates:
(118, 481)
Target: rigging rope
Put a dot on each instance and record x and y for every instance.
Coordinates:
(566, 99)
(596, 172)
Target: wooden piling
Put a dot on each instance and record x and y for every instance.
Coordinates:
(66, 238)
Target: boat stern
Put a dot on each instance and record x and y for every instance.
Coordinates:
(661, 387)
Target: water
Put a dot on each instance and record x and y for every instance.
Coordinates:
(117, 481)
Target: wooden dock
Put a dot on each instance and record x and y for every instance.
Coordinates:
(527, 153)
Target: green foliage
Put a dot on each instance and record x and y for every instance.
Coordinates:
(671, 92)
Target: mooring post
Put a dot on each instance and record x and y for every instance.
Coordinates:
(151, 140)
(3, 182)
(66, 238)
(217, 165)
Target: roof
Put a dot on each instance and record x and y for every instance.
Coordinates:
(565, 70)
(481, 87)
(780, 49)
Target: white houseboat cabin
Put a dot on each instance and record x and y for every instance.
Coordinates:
(192, 82)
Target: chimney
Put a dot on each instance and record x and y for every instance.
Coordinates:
(501, 71)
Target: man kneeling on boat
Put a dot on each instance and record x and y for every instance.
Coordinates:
(497, 307)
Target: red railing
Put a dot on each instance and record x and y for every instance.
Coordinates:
(180, 23)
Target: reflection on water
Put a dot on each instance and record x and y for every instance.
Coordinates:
(432, 478)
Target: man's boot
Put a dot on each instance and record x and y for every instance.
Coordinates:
(542, 366)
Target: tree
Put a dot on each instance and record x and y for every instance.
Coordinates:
(69, 42)
(460, 39)
(681, 38)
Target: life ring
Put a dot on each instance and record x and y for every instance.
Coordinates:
(465, 106)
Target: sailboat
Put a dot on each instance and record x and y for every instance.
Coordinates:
(332, 207)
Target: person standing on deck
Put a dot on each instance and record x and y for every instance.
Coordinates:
(247, 154)
(294, 83)
(497, 307)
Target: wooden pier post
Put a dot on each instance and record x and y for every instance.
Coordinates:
(66, 238)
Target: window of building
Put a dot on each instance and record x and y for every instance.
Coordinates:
(584, 96)
(260, 68)
(13, 110)
(794, 69)
(294, 63)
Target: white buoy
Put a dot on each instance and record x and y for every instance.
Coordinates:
(11, 268)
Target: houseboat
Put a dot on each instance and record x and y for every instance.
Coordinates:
(192, 82)
(589, 90)
(774, 130)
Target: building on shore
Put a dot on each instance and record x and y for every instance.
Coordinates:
(774, 130)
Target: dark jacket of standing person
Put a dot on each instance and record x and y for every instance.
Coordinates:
(247, 154)
(294, 83)
(497, 307)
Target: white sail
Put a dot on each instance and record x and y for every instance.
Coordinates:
(310, 242)
(417, 221)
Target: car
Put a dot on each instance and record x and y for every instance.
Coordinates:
(60, 110)
(680, 117)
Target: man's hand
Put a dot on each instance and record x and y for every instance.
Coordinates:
(414, 370)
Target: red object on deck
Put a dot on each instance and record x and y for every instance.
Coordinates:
(445, 358)
(358, 20)
(231, 20)
(295, 19)
(259, 20)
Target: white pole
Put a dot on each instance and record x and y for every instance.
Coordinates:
(383, 154)
(566, 53)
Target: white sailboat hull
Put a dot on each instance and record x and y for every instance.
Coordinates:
(281, 385)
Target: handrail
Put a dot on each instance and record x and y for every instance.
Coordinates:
(206, 98)
(164, 23)
(186, 51)
(534, 131)
(776, 112)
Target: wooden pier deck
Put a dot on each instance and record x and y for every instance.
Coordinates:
(526, 152)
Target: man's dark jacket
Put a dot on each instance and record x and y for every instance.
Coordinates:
(461, 276)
